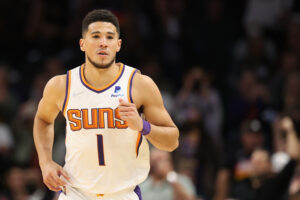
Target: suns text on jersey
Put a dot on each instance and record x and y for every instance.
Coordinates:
(95, 118)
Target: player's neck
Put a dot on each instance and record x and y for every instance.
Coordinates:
(98, 77)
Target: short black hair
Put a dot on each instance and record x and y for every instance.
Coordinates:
(101, 15)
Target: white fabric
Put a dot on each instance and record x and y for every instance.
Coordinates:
(70, 193)
(122, 169)
(279, 160)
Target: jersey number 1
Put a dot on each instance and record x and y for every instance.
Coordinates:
(100, 150)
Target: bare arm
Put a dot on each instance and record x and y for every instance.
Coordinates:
(164, 133)
(278, 141)
(222, 184)
(43, 131)
(294, 189)
(163, 170)
(293, 149)
(292, 141)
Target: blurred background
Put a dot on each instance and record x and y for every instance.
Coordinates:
(228, 71)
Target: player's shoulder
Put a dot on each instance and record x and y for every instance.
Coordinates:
(56, 85)
(142, 81)
(57, 81)
(144, 90)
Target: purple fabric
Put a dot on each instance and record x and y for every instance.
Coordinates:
(100, 149)
(138, 148)
(130, 87)
(67, 86)
(137, 190)
(146, 128)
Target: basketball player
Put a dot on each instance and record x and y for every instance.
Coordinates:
(107, 153)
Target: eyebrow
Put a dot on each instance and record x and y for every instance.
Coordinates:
(97, 32)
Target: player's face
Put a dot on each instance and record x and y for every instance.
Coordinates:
(101, 43)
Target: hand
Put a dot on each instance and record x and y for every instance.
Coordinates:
(294, 186)
(129, 113)
(51, 176)
(287, 124)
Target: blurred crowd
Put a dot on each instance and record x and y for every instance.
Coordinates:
(228, 70)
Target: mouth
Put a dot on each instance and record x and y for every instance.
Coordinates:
(102, 53)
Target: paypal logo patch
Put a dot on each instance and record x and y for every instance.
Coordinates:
(117, 89)
(117, 92)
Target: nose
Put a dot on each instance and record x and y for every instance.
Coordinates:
(103, 42)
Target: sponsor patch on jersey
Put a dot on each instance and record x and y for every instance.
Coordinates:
(117, 92)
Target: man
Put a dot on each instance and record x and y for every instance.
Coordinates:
(107, 153)
(164, 183)
(263, 183)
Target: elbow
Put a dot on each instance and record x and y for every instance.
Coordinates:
(175, 144)
(173, 147)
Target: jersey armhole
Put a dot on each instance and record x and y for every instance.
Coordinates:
(129, 89)
(67, 95)
(129, 96)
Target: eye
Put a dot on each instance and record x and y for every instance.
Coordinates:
(110, 37)
(95, 36)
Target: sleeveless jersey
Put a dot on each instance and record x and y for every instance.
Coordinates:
(103, 155)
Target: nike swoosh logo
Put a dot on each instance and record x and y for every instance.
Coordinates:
(77, 93)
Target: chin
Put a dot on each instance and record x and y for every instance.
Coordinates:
(101, 64)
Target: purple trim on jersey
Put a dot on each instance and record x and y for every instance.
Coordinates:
(130, 86)
(67, 87)
(138, 192)
(104, 88)
(140, 142)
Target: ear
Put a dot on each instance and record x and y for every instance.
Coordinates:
(119, 45)
(82, 44)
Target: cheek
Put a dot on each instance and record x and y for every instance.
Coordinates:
(90, 48)
(116, 46)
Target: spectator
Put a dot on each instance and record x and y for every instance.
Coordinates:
(7, 143)
(8, 103)
(251, 137)
(289, 64)
(237, 165)
(15, 184)
(257, 53)
(247, 101)
(34, 185)
(193, 160)
(164, 183)
(294, 189)
(292, 96)
(262, 183)
(198, 99)
(266, 13)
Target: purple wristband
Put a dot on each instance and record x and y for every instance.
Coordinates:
(146, 128)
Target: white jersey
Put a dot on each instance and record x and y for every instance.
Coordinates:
(103, 155)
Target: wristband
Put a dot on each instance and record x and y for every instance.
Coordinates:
(146, 128)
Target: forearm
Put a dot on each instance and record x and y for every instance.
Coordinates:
(43, 134)
(222, 185)
(292, 145)
(292, 141)
(163, 137)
